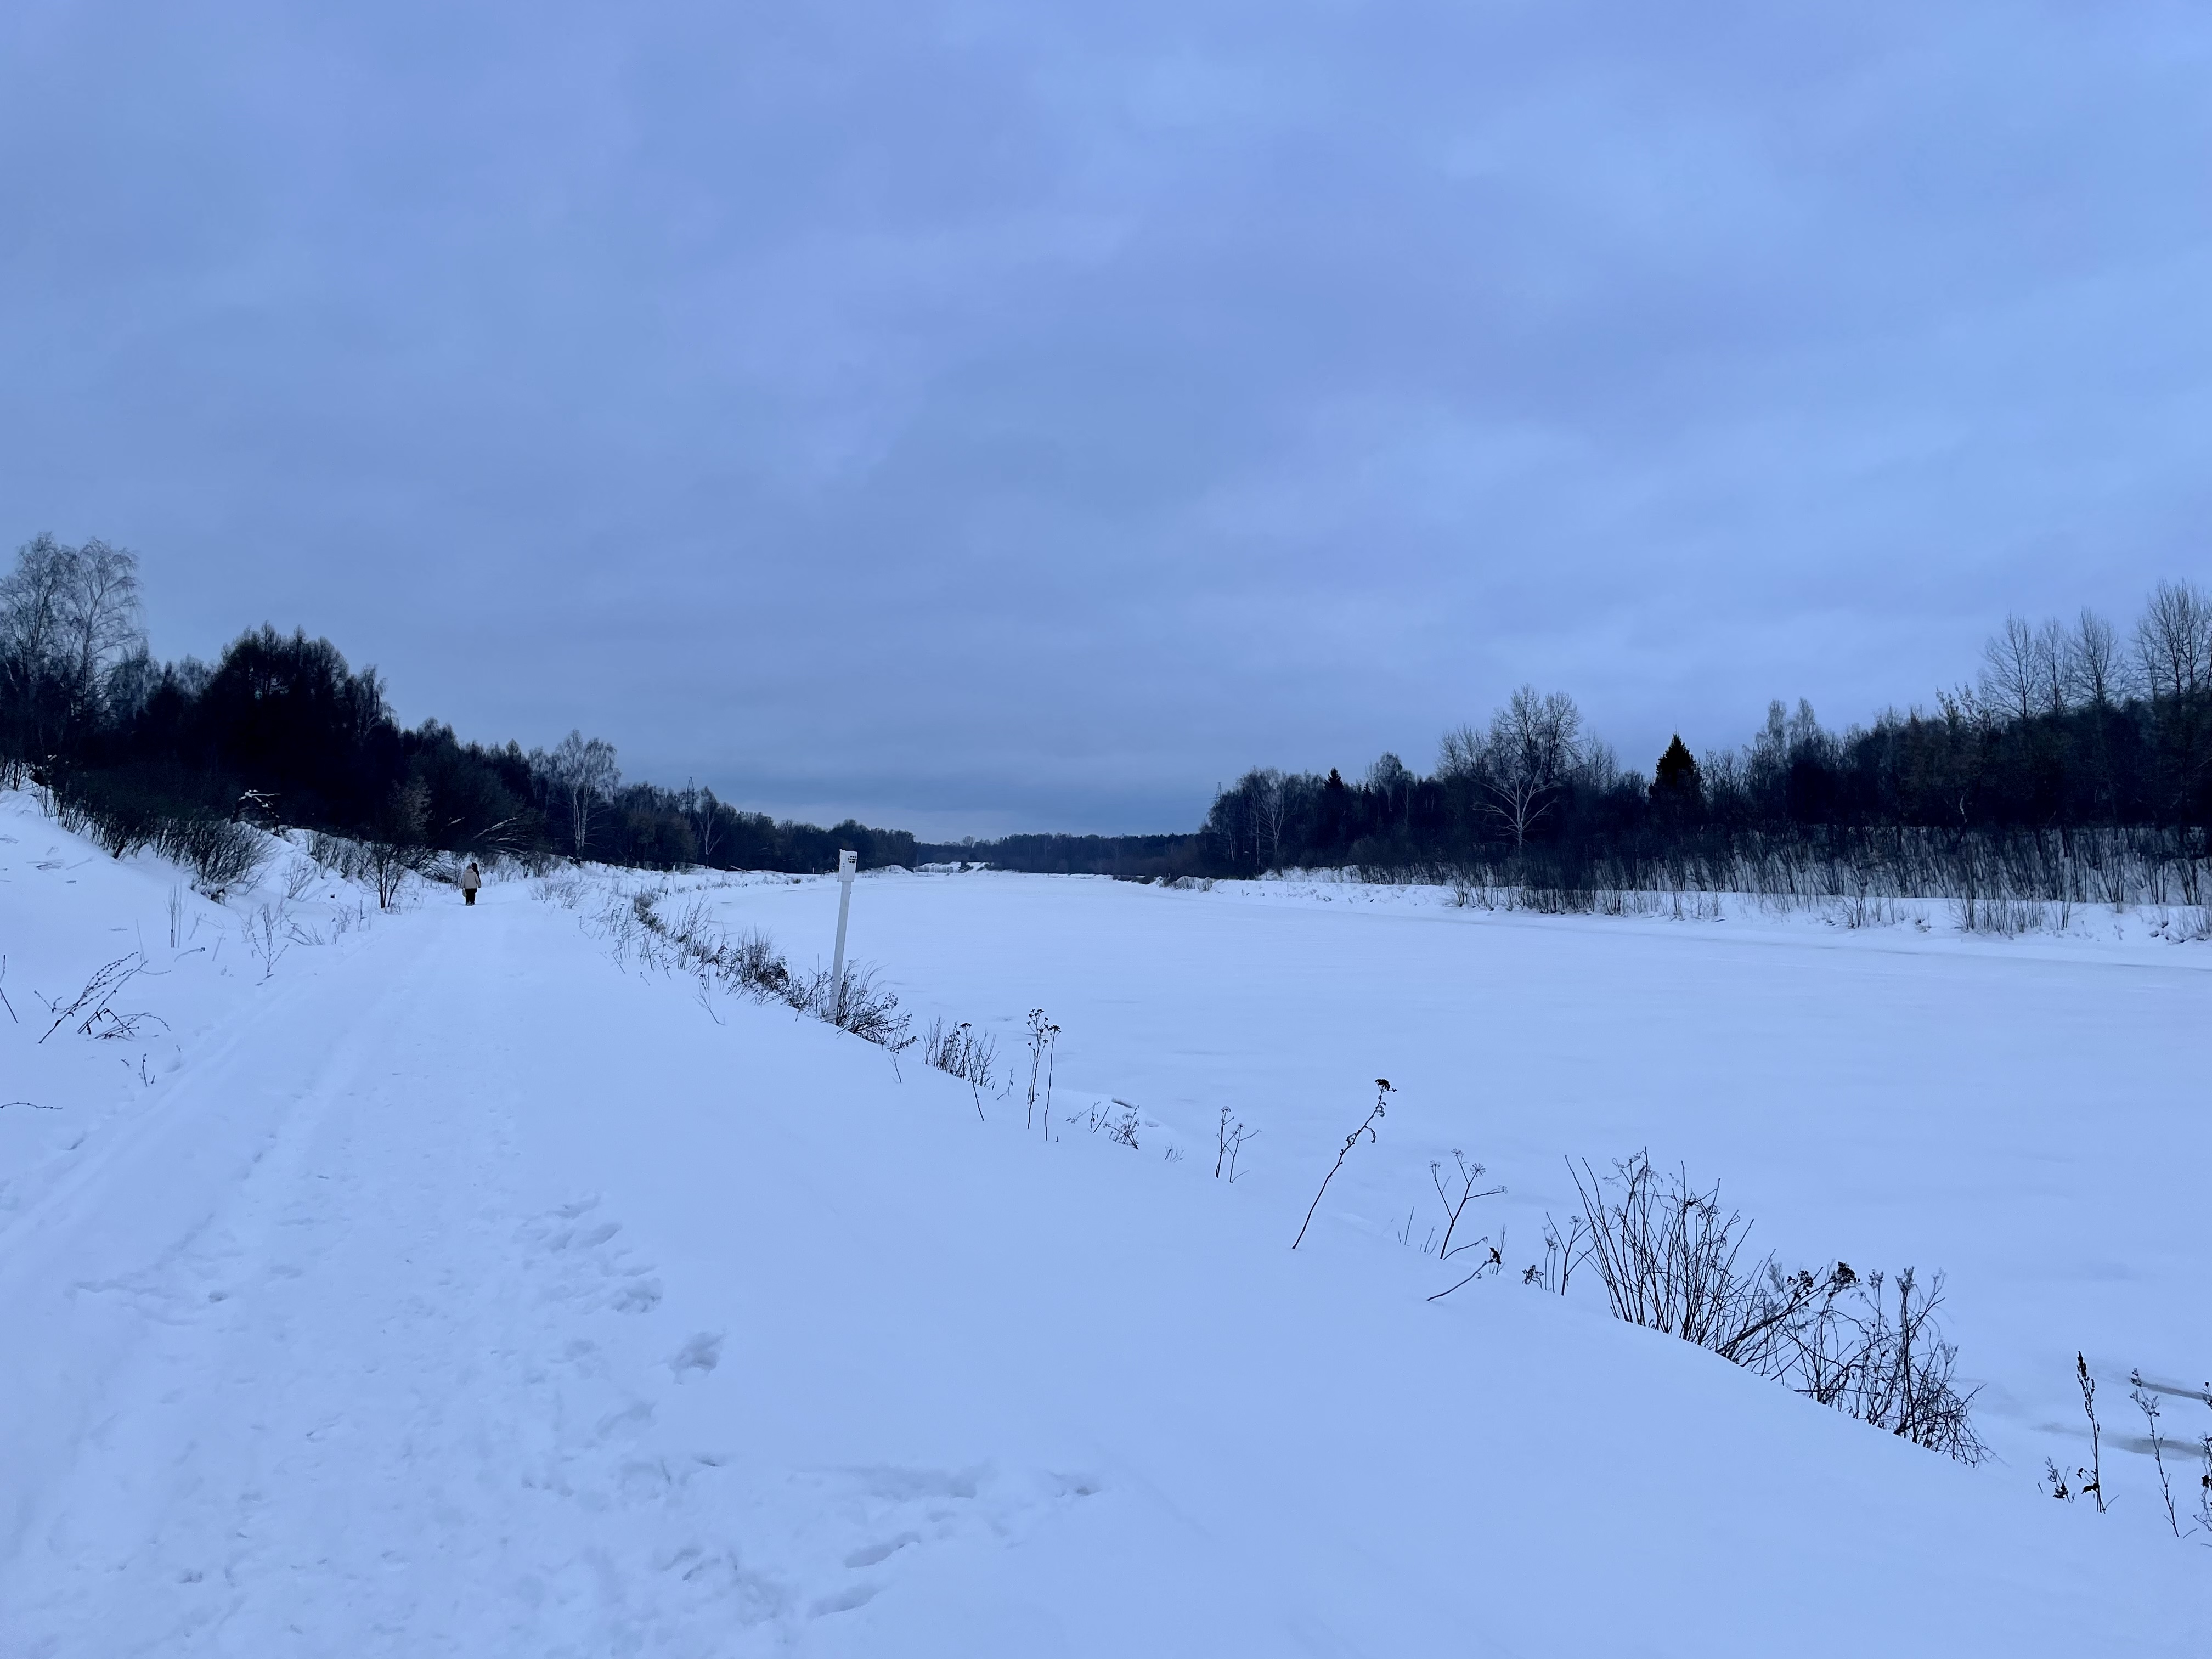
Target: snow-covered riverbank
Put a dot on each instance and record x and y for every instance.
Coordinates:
(455, 1291)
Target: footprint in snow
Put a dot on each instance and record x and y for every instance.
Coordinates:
(701, 1354)
(844, 1600)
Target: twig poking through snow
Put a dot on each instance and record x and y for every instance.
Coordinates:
(2095, 1483)
(99, 991)
(1366, 1127)
(2146, 1403)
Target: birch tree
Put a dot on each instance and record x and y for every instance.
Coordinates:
(582, 770)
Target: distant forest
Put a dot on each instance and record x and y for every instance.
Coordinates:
(2077, 766)
(279, 731)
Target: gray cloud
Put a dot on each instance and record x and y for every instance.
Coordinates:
(987, 417)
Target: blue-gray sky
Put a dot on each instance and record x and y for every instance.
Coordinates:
(985, 416)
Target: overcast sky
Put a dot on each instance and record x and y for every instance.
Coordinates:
(985, 417)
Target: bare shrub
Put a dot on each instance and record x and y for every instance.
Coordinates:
(963, 1052)
(747, 962)
(399, 847)
(339, 856)
(960, 1050)
(390, 863)
(694, 943)
(757, 965)
(565, 889)
(1886, 1367)
(859, 1005)
(220, 853)
(112, 827)
(1670, 1257)
(267, 936)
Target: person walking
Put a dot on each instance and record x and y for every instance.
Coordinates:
(471, 878)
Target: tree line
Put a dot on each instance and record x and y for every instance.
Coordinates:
(2071, 730)
(1135, 858)
(2079, 752)
(280, 731)
(2080, 755)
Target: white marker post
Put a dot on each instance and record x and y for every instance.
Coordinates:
(849, 864)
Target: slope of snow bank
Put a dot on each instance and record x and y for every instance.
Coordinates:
(2028, 1115)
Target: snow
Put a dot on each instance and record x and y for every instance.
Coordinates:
(453, 1288)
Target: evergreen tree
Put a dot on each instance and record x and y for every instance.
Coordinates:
(1677, 790)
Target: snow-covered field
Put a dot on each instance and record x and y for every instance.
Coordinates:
(451, 1288)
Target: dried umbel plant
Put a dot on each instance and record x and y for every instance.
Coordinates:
(1044, 1048)
(1230, 1135)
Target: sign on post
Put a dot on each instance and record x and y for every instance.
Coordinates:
(848, 865)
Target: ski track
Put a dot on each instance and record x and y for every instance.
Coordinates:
(355, 1404)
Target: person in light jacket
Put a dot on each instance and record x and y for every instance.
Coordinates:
(471, 878)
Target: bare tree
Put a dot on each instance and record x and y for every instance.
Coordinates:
(1253, 815)
(1461, 753)
(1531, 750)
(2053, 683)
(1271, 806)
(35, 600)
(2013, 671)
(1463, 757)
(398, 848)
(582, 770)
(2173, 642)
(101, 618)
(71, 612)
(705, 814)
(1390, 778)
(2092, 662)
